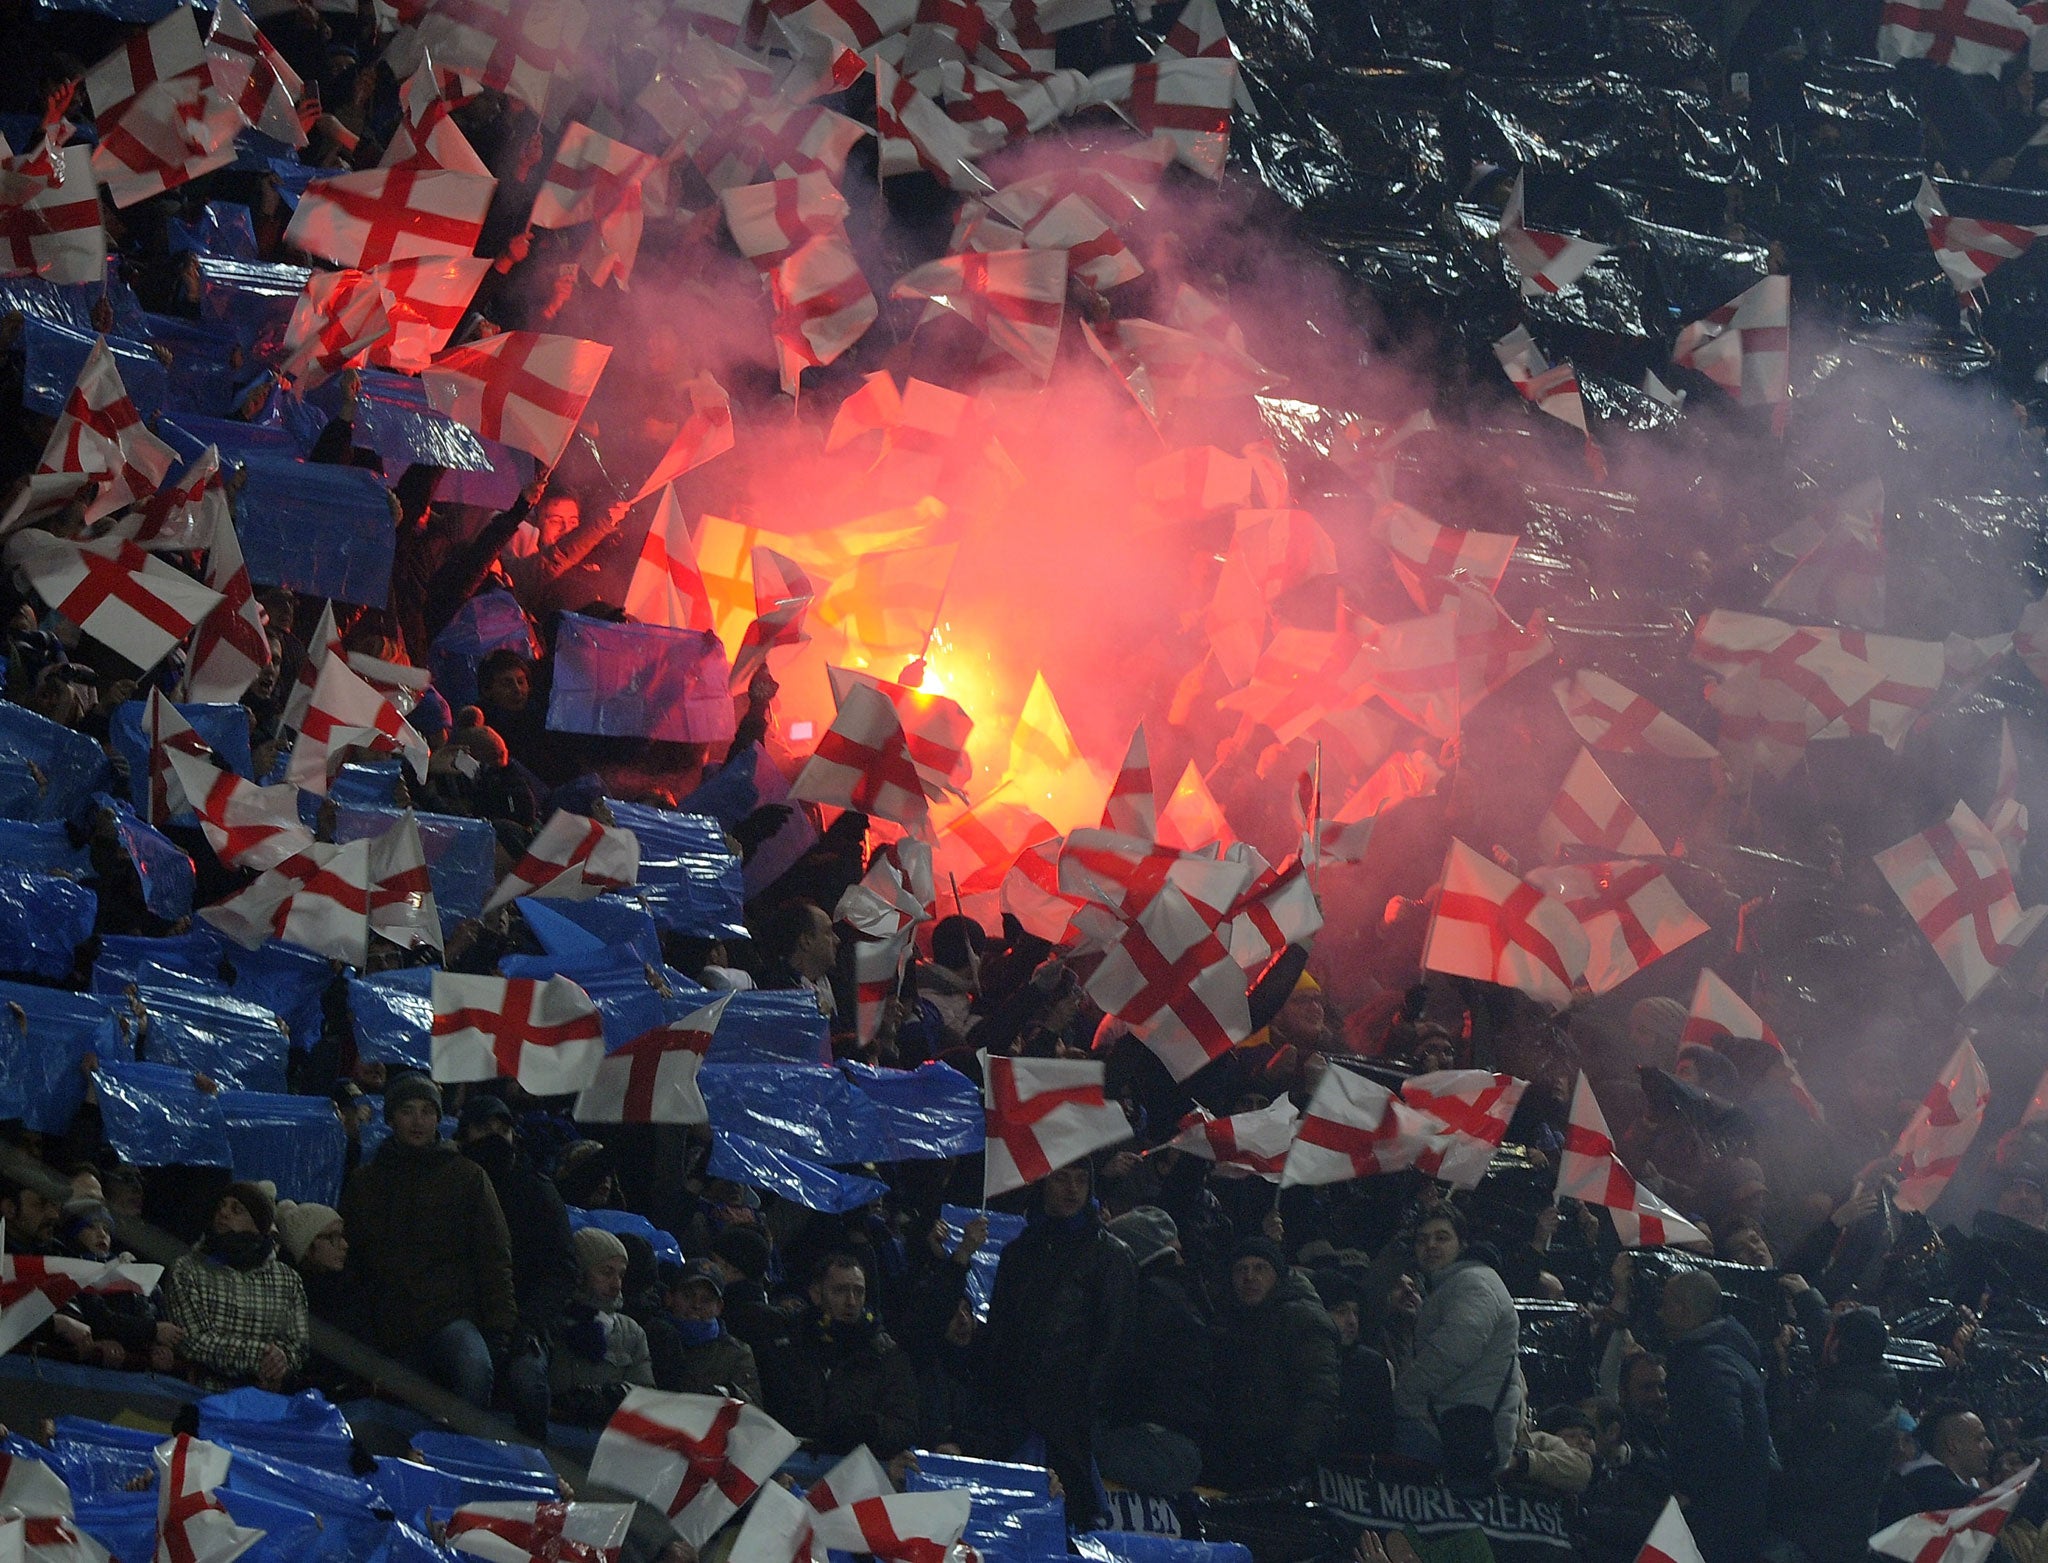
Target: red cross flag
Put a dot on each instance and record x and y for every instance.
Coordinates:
(1953, 879)
(935, 728)
(1848, 682)
(169, 49)
(777, 1529)
(1427, 556)
(1932, 1144)
(980, 846)
(1490, 925)
(325, 642)
(1044, 1113)
(859, 1475)
(1254, 1142)
(513, 46)
(522, 388)
(823, 305)
(596, 179)
(705, 433)
(863, 762)
(548, 1036)
(402, 905)
(337, 320)
(1632, 914)
(1976, 37)
(1132, 809)
(697, 1458)
(388, 214)
(522, 1532)
(883, 915)
(1970, 248)
(424, 301)
(31, 1487)
(100, 433)
(1171, 979)
(174, 132)
(1589, 1170)
(1589, 811)
(1095, 251)
(1279, 914)
(1017, 298)
(1192, 818)
(247, 826)
(1670, 1539)
(1185, 485)
(167, 733)
(653, 1079)
(1186, 101)
(426, 136)
(667, 588)
(1608, 715)
(1966, 1534)
(250, 70)
(184, 515)
(905, 1527)
(1410, 773)
(230, 646)
(2006, 818)
(318, 898)
(345, 712)
(1840, 573)
(1546, 262)
(782, 598)
(192, 1525)
(50, 227)
(769, 222)
(1552, 390)
(1719, 1016)
(1357, 1128)
(128, 600)
(1745, 346)
(572, 858)
(912, 132)
(1476, 1107)
(887, 606)
(1124, 873)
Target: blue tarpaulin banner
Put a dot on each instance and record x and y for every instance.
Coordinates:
(689, 882)
(43, 848)
(489, 621)
(622, 1222)
(394, 420)
(43, 921)
(640, 681)
(927, 1113)
(511, 470)
(755, 1166)
(37, 298)
(45, 1034)
(225, 728)
(981, 1267)
(1012, 1518)
(574, 929)
(46, 770)
(616, 980)
(305, 1427)
(203, 371)
(53, 355)
(163, 867)
(283, 978)
(254, 299)
(225, 228)
(142, 11)
(297, 1142)
(323, 530)
(838, 1116)
(728, 794)
(770, 1028)
(156, 1117)
(393, 1013)
(461, 853)
(204, 1029)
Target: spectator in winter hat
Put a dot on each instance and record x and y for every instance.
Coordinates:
(599, 1350)
(710, 1361)
(242, 1308)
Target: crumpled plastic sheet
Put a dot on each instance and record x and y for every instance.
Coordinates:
(461, 853)
(94, 1458)
(1003, 1229)
(283, 978)
(627, 999)
(142, 11)
(53, 354)
(761, 1028)
(164, 868)
(576, 929)
(1749, 1295)
(47, 771)
(510, 471)
(225, 228)
(253, 299)
(44, 848)
(1556, 1352)
(1124, 1546)
(224, 727)
(297, 1142)
(189, 433)
(928, 1112)
(202, 373)
(488, 621)
(305, 1427)
(689, 882)
(126, 1524)
(394, 420)
(38, 298)
(43, 921)
(323, 530)
(754, 1165)
(488, 1471)
(621, 1223)
(393, 1015)
(156, 1117)
(45, 1034)
(639, 681)
(204, 1029)
(346, 1505)
(1013, 1517)
(840, 1116)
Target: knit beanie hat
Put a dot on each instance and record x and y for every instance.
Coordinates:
(298, 1225)
(594, 1245)
(744, 1249)
(1259, 1246)
(412, 1086)
(1146, 1231)
(261, 1203)
(82, 1213)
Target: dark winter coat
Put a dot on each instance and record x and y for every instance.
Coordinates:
(1838, 1453)
(1161, 1373)
(544, 1268)
(1722, 1457)
(1276, 1387)
(849, 1385)
(427, 1239)
(1055, 1323)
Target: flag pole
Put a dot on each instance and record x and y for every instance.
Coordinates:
(1315, 825)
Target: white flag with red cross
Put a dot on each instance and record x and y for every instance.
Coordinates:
(319, 898)
(1476, 1106)
(1954, 881)
(653, 1078)
(769, 222)
(184, 514)
(1254, 1142)
(1841, 576)
(402, 905)
(192, 1525)
(1589, 1170)
(1546, 262)
(1356, 1128)
(525, 389)
(858, 1475)
(1427, 556)
(167, 733)
(1745, 346)
(912, 132)
(323, 643)
(1095, 251)
(1185, 101)
(696, 1458)
(1552, 389)
(994, 108)
(169, 49)
(1932, 1145)
(337, 320)
(1016, 298)
(1044, 1113)
(667, 588)
(779, 1528)
(1171, 979)
(390, 214)
(979, 846)
(1490, 925)
(1608, 715)
(517, 47)
(1132, 809)
(51, 1538)
(1030, 892)
(30, 1487)
(1271, 917)
(589, 178)
(1719, 1018)
(705, 433)
(427, 136)
(883, 914)
(248, 68)
(823, 305)
(123, 597)
(100, 433)
(1840, 683)
(547, 1035)
(935, 727)
(51, 227)
(1192, 819)
(1975, 37)
(2006, 817)
(1124, 873)
(887, 606)
(172, 122)
(1966, 1534)
(1969, 249)
(521, 1532)
(246, 825)
(863, 762)
(1632, 914)
(1671, 1539)
(1589, 811)
(424, 301)
(230, 646)
(345, 712)
(898, 1527)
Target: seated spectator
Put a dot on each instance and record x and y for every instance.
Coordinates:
(124, 1328)
(1276, 1373)
(30, 1218)
(1157, 1408)
(599, 1351)
(1364, 1425)
(849, 1382)
(241, 1307)
(316, 1242)
(708, 1359)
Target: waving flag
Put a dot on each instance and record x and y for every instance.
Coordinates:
(769, 222)
(706, 433)
(1490, 925)
(905, 1527)
(1589, 811)
(778, 1529)
(128, 600)
(192, 1525)
(1841, 575)
(1970, 248)
(1550, 389)
(1271, 918)
(1931, 1146)
(426, 136)
(863, 762)
(823, 305)
(1044, 1113)
(521, 388)
(597, 180)
(1745, 346)
(912, 132)
(512, 46)
(1631, 913)
(1132, 809)
(1609, 716)
(2006, 818)
(1975, 37)
(935, 728)
(1954, 881)
(1192, 818)
(424, 300)
(696, 1458)
(1428, 556)
(1124, 873)
(319, 898)
(51, 227)
(888, 604)
(1171, 979)
(1255, 1142)
(402, 906)
(345, 712)
(169, 49)
(1476, 1107)
(248, 68)
(246, 825)
(1546, 262)
(548, 1035)
(391, 214)
(337, 320)
(1671, 1539)
(1185, 101)
(1016, 298)
(184, 515)
(571, 858)
(653, 1079)
(1041, 743)
(667, 588)
(1965, 1534)
(883, 914)
(990, 839)
(1589, 1170)
(230, 646)
(100, 433)
(522, 1532)
(1356, 1128)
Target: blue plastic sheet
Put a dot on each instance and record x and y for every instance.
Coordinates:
(46, 770)
(1013, 1518)
(163, 867)
(283, 978)
(927, 1112)
(511, 470)
(394, 420)
(225, 728)
(782, 1027)
(461, 853)
(97, 1458)
(43, 848)
(142, 11)
(43, 921)
(204, 1029)
(203, 371)
(322, 530)
(297, 1142)
(254, 299)
(852, 1115)
(493, 1471)
(489, 621)
(45, 1035)
(640, 681)
(981, 1268)
(225, 228)
(344, 1506)
(621, 1222)
(689, 882)
(728, 794)
(305, 1427)
(126, 1524)
(629, 1005)
(403, 1544)
(754, 1165)
(38, 298)
(579, 928)
(1130, 1546)
(189, 433)
(393, 1013)
(53, 354)
(156, 1117)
